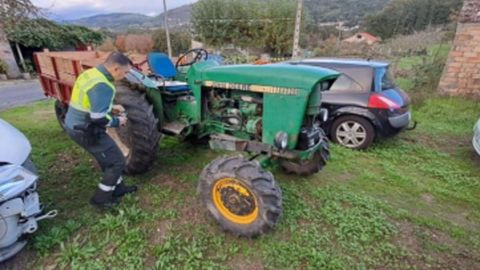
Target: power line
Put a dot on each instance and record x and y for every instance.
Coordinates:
(248, 20)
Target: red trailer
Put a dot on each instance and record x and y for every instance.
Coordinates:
(58, 71)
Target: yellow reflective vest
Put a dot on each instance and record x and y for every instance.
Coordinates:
(84, 83)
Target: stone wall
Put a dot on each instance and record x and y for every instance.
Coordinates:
(461, 75)
(7, 56)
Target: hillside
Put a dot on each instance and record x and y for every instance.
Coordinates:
(113, 20)
(351, 11)
(121, 21)
(177, 16)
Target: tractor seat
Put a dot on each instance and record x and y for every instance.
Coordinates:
(175, 86)
(162, 67)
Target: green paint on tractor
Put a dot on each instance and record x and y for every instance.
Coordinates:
(286, 91)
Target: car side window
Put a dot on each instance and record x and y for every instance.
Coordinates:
(387, 81)
(345, 84)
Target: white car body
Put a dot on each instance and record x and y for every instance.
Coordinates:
(14, 146)
(476, 137)
(20, 206)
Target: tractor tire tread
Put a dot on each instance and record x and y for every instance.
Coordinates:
(143, 132)
(261, 183)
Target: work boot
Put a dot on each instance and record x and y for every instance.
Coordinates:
(103, 199)
(121, 190)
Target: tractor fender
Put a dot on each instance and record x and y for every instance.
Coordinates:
(353, 110)
(14, 146)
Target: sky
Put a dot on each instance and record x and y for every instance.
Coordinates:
(74, 9)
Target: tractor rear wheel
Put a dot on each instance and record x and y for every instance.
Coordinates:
(139, 138)
(311, 166)
(240, 195)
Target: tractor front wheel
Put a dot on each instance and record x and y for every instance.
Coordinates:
(241, 196)
(310, 166)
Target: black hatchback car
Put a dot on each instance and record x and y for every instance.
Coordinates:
(363, 103)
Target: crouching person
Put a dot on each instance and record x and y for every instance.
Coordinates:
(88, 116)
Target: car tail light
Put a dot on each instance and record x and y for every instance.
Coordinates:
(377, 101)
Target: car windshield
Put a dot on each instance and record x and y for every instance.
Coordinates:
(387, 81)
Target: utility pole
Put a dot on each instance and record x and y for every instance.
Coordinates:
(165, 18)
(296, 35)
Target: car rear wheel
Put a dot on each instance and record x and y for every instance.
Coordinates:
(353, 132)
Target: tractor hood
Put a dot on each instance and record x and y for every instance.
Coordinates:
(14, 146)
(304, 78)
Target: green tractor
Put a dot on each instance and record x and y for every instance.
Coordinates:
(270, 112)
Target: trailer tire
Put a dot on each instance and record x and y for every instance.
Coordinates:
(311, 166)
(61, 111)
(242, 197)
(140, 134)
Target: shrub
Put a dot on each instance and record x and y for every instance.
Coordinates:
(3, 67)
(28, 66)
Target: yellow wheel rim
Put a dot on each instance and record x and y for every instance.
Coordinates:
(235, 201)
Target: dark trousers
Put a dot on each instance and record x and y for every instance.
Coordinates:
(107, 154)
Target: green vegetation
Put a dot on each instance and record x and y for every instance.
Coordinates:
(350, 11)
(264, 24)
(269, 24)
(180, 41)
(3, 67)
(421, 73)
(318, 11)
(408, 16)
(409, 202)
(42, 33)
(436, 51)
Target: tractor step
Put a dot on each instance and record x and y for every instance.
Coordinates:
(174, 128)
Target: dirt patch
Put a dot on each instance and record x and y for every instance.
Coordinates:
(239, 262)
(188, 208)
(443, 143)
(427, 197)
(433, 249)
(20, 261)
(66, 162)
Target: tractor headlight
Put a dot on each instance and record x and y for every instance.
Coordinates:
(324, 115)
(281, 140)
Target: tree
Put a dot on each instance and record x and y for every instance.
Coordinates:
(12, 12)
(140, 43)
(43, 33)
(180, 41)
(277, 34)
(407, 16)
(250, 23)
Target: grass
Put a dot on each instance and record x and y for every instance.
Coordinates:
(414, 69)
(435, 51)
(408, 203)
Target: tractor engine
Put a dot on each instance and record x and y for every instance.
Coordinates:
(238, 112)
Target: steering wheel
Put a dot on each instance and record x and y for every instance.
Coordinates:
(199, 54)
